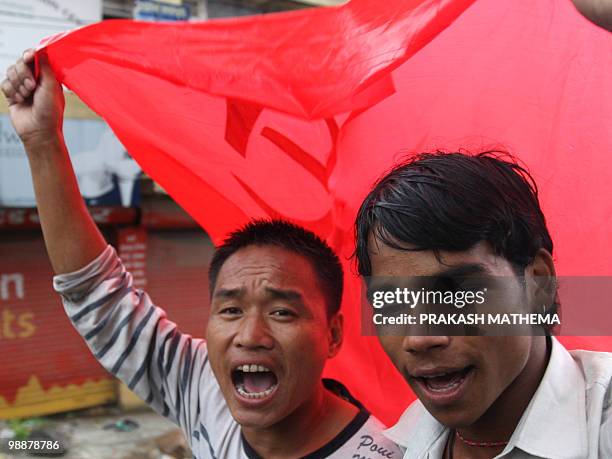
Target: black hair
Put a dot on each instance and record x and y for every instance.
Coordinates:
(293, 238)
(451, 201)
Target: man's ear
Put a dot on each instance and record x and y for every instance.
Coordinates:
(336, 334)
(543, 280)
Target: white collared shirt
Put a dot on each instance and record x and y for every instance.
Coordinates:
(569, 416)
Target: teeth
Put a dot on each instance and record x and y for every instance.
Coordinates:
(444, 382)
(435, 376)
(257, 395)
(446, 387)
(252, 368)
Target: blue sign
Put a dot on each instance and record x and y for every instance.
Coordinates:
(156, 10)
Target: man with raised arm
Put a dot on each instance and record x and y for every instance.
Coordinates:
(253, 389)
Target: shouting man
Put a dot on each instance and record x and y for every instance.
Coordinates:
(450, 218)
(253, 389)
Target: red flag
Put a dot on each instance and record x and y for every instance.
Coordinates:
(295, 115)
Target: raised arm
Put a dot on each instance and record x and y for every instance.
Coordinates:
(125, 331)
(36, 111)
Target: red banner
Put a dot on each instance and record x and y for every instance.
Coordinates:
(295, 115)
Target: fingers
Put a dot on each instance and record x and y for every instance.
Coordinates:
(28, 56)
(20, 82)
(26, 78)
(9, 93)
(47, 77)
(8, 87)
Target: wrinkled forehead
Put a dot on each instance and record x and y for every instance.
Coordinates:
(256, 268)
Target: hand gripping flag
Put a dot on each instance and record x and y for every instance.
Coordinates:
(295, 115)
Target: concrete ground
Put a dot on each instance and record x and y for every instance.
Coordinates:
(85, 437)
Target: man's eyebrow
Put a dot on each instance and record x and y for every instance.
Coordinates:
(228, 293)
(468, 269)
(283, 294)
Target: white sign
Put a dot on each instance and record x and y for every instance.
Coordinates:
(26, 22)
(107, 175)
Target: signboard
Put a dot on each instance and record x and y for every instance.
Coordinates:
(14, 218)
(107, 175)
(46, 366)
(26, 22)
(159, 10)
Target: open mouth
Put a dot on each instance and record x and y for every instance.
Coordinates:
(254, 382)
(445, 386)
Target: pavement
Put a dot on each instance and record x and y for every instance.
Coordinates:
(106, 433)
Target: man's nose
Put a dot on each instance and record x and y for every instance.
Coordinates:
(254, 333)
(418, 344)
